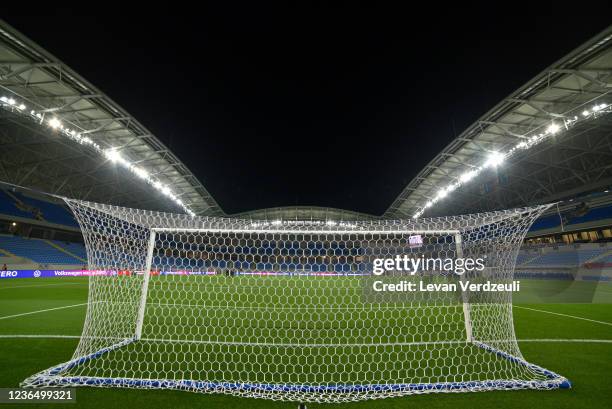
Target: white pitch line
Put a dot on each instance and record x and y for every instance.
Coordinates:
(10, 336)
(40, 311)
(37, 285)
(575, 340)
(566, 315)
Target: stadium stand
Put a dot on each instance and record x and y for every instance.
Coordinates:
(563, 256)
(549, 275)
(39, 251)
(554, 221)
(586, 261)
(9, 207)
(50, 212)
(77, 249)
(524, 257)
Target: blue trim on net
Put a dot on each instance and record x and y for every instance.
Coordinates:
(78, 361)
(554, 380)
(565, 384)
(341, 388)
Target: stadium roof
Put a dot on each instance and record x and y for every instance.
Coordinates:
(34, 156)
(567, 162)
(575, 161)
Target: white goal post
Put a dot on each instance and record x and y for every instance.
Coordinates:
(285, 310)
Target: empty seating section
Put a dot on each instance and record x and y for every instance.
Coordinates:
(75, 248)
(51, 212)
(551, 275)
(9, 207)
(556, 258)
(524, 257)
(36, 250)
(553, 221)
(566, 256)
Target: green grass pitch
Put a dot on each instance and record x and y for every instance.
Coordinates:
(556, 340)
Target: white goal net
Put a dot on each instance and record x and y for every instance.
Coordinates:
(287, 310)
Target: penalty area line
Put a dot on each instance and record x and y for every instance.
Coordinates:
(565, 315)
(41, 311)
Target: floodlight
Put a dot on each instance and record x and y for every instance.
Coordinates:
(553, 128)
(113, 155)
(54, 123)
(140, 172)
(467, 176)
(494, 159)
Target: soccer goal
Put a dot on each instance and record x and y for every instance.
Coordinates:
(285, 310)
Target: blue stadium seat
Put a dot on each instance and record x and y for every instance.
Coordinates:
(552, 221)
(566, 257)
(77, 249)
(51, 212)
(8, 206)
(36, 250)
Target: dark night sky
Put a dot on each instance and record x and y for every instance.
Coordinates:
(319, 107)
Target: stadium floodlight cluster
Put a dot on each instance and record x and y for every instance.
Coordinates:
(111, 154)
(282, 310)
(279, 222)
(497, 158)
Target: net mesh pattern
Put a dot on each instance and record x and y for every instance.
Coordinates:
(280, 309)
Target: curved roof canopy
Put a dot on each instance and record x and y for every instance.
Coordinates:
(556, 129)
(34, 156)
(574, 160)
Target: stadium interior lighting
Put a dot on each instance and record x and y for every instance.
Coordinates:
(140, 172)
(55, 123)
(496, 158)
(467, 176)
(553, 128)
(112, 154)
(166, 190)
